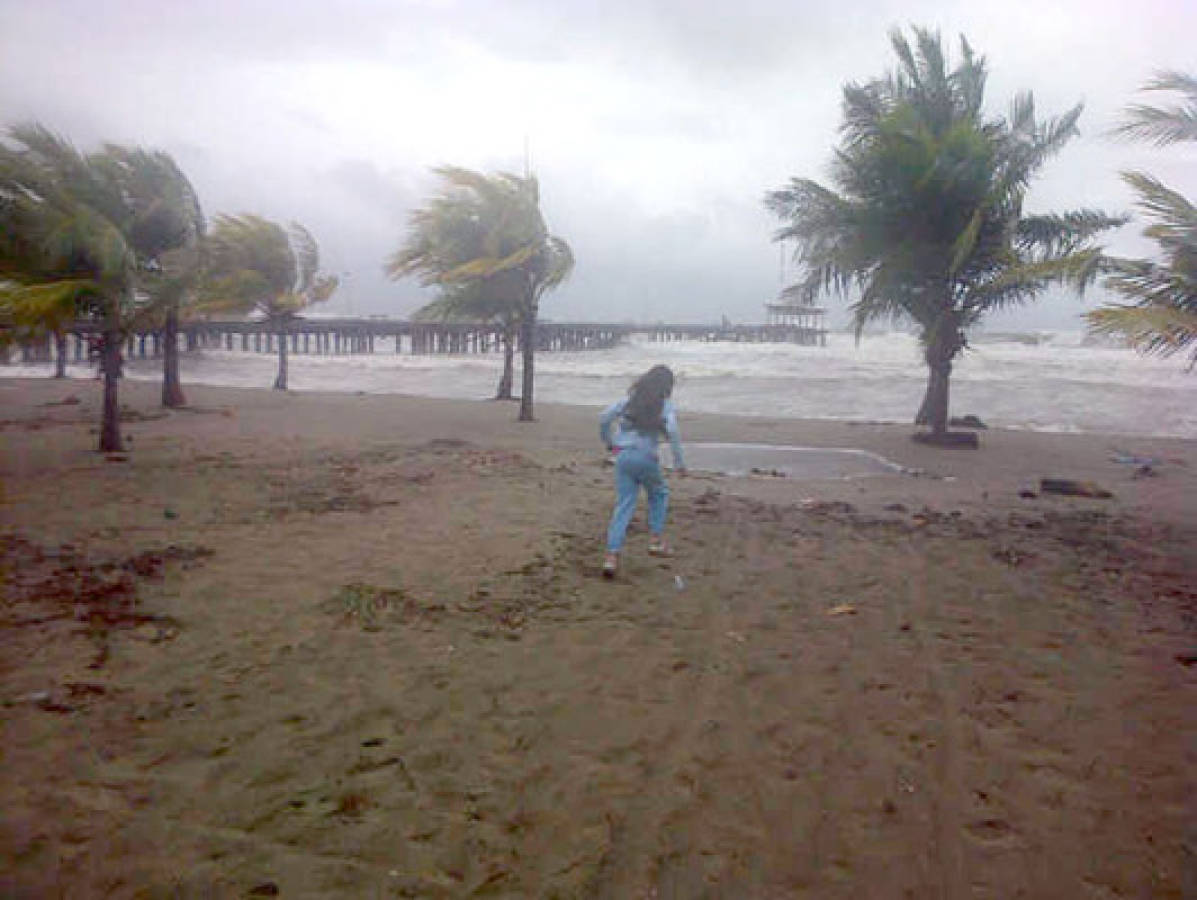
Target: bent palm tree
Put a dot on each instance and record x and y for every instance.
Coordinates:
(255, 265)
(483, 241)
(1162, 317)
(927, 220)
(86, 234)
(475, 302)
(175, 278)
(169, 236)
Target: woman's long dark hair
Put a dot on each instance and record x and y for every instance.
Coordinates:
(646, 400)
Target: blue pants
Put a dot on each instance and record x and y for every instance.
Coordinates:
(635, 469)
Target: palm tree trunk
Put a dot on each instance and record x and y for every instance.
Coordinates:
(172, 389)
(110, 363)
(941, 349)
(528, 351)
(934, 409)
(280, 383)
(60, 350)
(508, 377)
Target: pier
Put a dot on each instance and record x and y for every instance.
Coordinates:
(338, 337)
(747, 334)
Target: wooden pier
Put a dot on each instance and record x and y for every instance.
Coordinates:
(338, 337)
(746, 334)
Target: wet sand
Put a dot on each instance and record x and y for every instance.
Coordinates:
(787, 461)
(332, 645)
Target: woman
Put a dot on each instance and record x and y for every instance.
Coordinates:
(645, 415)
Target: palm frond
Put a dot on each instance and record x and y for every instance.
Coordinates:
(307, 256)
(552, 267)
(1152, 284)
(969, 79)
(1164, 330)
(1163, 125)
(966, 243)
(486, 266)
(445, 308)
(46, 306)
(1173, 80)
(323, 287)
(902, 50)
(1176, 217)
(1023, 282)
(1053, 234)
(863, 109)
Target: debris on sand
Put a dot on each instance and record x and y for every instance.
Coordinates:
(46, 586)
(69, 400)
(1070, 488)
(969, 421)
(1134, 459)
(768, 473)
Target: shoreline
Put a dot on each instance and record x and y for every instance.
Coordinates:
(1131, 396)
(1008, 460)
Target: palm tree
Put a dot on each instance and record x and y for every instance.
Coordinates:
(483, 241)
(254, 265)
(926, 220)
(1162, 317)
(86, 235)
(174, 279)
(479, 302)
(169, 235)
(37, 305)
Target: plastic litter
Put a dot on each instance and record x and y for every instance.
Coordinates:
(1132, 459)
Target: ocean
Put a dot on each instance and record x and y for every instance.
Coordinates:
(1046, 382)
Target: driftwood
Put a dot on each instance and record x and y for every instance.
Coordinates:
(947, 439)
(969, 421)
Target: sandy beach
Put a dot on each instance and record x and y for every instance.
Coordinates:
(330, 645)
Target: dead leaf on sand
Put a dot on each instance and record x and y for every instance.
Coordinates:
(843, 609)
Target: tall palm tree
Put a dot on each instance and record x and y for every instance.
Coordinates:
(1162, 317)
(86, 234)
(254, 265)
(926, 219)
(483, 241)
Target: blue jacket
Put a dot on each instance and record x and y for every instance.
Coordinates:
(628, 438)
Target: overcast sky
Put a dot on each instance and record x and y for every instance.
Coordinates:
(655, 127)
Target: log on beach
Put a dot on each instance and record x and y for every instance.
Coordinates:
(947, 439)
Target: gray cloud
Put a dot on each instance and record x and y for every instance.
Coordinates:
(655, 127)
